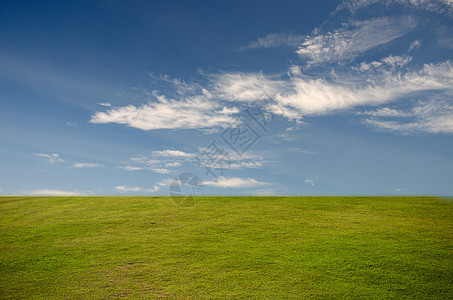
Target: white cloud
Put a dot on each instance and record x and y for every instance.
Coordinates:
(234, 182)
(230, 160)
(432, 116)
(45, 192)
(320, 96)
(72, 124)
(296, 149)
(246, 164)
(437, 6)
(345, 43)
(144, 160)
(397, 61)
(136, 168)
(274, 40)
(106, 104)
(173, 153)
(310, 182)
(173, 164)
(379, 66)
(198, 112)
(434, 124)
(245, 87)
(386, 112)
(415, 45)
(52, 158)
(165, 182)
(161, 170)
(159, 161)
(126, 189)
(375, 83)
(86, 165)
(123, 188)
(132, 168)
(181, 87)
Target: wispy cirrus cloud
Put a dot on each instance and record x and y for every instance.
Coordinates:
(246, 164)
(317, 96)
(245, 87)
(160, 170)
(49, 192)
(310, 182)
(429, 116)
(128, 189)
(159, 161)
(193, 113)
(149, 168)
(389, 61)
(415, 45)
(137, 189)
(173, 153)
(132, 168)
(72, 124)
(385, 112)
(86, 165)
(231, 160)
(437, 6)
(353, 39)
(234, 182)
(52, 158)
(173, 164)
(274, 40)
(374, 83)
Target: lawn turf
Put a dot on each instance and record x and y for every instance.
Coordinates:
(226, 247)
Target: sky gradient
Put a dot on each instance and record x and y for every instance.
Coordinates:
(253, 97)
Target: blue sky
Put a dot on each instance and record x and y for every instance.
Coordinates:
(253, 97)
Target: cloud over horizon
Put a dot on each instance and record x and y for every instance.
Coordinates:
(128, 189)
(49, 192)
(234, 182)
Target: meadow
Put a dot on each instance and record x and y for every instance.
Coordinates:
(226, 248)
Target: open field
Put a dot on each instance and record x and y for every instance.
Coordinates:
(226, 247)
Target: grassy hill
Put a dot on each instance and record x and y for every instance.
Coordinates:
(226, 247)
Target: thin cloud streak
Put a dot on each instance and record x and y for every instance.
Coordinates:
(274, 40)
(52, 158)
(48, 192)
(234, 182)
(128, 189)
(345, 43)
(86, 165)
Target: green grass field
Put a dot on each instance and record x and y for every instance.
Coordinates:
(226, 247)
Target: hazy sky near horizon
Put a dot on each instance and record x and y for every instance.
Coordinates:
(253, 97)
